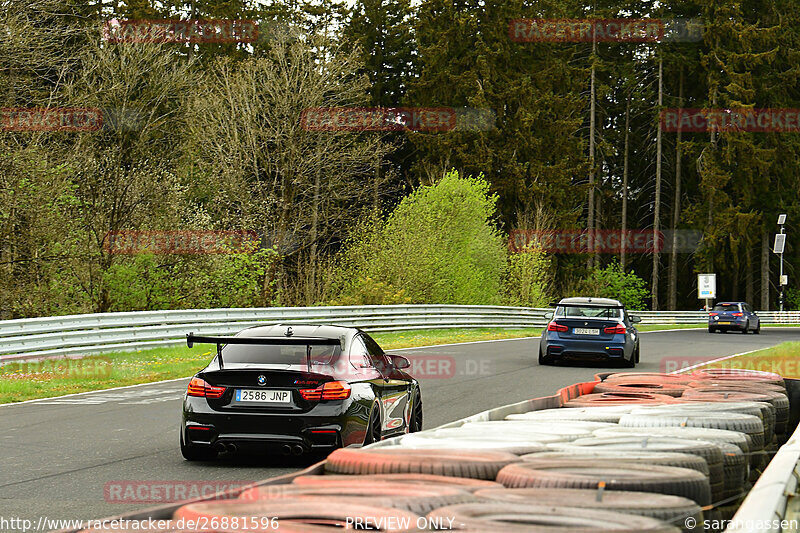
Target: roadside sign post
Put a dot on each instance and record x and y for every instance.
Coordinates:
(778, 248)
(707, 288)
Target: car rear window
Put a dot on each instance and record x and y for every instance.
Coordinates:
(726, 307)
(280, 354)
(588, 312)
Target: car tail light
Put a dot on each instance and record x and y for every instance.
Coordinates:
(737, 314)
(199, 387)
(619, 329)
(713, 314)
(555, 326)
(332, 390)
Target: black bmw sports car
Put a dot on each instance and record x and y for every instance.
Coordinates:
(295, 389)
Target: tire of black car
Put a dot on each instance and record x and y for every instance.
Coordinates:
(373, 426)
(416, 413)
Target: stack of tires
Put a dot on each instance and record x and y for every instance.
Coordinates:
(642, 452)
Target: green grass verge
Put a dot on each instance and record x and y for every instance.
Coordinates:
(783, 359)
(393, 340)
(45, 379)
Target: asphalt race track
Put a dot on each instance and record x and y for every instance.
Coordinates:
(58, 454)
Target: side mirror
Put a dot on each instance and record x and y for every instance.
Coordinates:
(399, 361)
(548, 315)
(635, 319)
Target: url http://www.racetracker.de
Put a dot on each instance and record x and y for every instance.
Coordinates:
(242, 524)
(43, 523)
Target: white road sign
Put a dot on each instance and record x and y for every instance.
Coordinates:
(706, 286)
(780, 242)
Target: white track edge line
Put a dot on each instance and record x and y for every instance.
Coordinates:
(94, 391)
(715, 361)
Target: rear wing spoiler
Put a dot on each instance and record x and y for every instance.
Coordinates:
(191, 339)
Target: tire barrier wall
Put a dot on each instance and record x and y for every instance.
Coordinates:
(678, 476)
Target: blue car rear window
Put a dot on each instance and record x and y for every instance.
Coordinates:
(588, 312)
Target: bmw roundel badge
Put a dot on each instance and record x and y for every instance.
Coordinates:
(262, 379)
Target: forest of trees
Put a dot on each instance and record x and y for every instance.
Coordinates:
(208, 136)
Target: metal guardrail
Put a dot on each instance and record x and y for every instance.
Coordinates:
(767, 504)
(78, 335)
(773, 504)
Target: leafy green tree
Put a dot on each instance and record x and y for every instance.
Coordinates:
(534, 152)
(383, 31)
(261, 168)
(745, 178)
(150, 282)
(439, 245)
(528, 279)
(612, 282)
(792, 299)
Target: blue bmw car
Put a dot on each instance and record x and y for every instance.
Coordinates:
(590, 328)
(736, 316)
